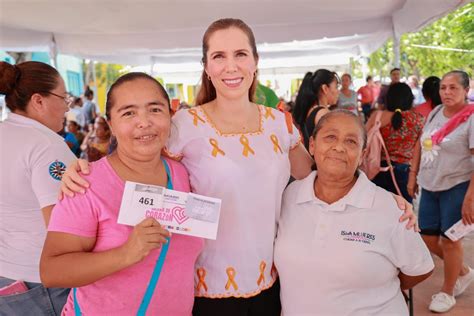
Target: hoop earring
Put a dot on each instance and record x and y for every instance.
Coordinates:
(208, 77)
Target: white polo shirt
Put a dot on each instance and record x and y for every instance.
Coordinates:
(344, 258)
(32, 160)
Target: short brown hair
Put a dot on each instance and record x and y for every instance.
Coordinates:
(207, 91)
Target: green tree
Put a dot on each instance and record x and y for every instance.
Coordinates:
(455, 31)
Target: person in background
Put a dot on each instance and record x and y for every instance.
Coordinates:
(415, 89)
(74, 128)
(318, 91)
(395, 78)
(401, 128)
(77, 113)
(89, 108)
(340, 249)
(33, 159)
(96, 143)
(430, 91)
(347, 97)
(366, 96)
(70, 140)
(266, 96)
(443, 167)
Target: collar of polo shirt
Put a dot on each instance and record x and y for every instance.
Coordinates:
(360, 196)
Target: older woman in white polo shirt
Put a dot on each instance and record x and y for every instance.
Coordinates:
(340, 248)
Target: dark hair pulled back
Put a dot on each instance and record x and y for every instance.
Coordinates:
(399, 99)
(19, 82)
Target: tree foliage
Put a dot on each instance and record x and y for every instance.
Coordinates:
(456, 31)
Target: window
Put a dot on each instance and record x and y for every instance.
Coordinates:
(74, 82)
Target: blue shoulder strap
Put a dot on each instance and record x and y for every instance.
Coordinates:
(156, 271)
(161, 260)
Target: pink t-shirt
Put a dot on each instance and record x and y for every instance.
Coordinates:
(94, 214)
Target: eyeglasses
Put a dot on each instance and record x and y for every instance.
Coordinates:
(68, 100)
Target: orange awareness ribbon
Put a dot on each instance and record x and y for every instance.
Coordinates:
(196, 117)
(245, 141)
(276, 145)
(269, 113)
(262, 273)
(201, 273)
(216, 149)
(231, 274)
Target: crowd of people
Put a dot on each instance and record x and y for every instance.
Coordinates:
(302, 248)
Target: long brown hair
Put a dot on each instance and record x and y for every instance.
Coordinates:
(19, 82)
(207, 91)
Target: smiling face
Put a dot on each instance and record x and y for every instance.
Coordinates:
(140, 119)
(451, 91)
(230, 63)
(337, 147)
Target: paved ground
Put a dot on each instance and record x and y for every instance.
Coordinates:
(424, 291)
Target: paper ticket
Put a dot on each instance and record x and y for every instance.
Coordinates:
(458, 231)
(179, 212)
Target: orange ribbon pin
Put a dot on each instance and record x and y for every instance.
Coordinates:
(196, 117)
(269, 113)
(247, 149)
(216, 150)
(262, 273)
(276, 145)
(201, 273)
(231, 282)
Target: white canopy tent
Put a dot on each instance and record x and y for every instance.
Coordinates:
(160, 32)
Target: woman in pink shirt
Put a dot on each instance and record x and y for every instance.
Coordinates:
(109, 264)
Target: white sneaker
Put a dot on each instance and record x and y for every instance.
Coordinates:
(463, 282)
(442, 302)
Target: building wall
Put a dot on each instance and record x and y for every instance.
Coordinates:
(69, 67)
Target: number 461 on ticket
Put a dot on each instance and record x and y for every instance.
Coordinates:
(179, 212)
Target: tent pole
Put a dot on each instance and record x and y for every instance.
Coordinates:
(53, 52)
(396, 48)
(396, 52)
(152, 66)
(94, 78)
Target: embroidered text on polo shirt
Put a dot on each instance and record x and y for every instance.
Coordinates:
(365, 238)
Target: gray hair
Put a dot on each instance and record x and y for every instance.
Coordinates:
(462, 75)
(339, 112)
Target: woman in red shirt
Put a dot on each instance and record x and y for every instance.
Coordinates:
(401, 129)
(430, 92)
